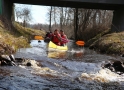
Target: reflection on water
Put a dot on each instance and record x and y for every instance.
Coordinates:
(40, 49)
(74, 52)
(66, 54)
(56, 54)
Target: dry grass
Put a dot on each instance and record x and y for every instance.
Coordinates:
(97, 36)
(1, 24)
(10, 41)
(28, 32)
(110, 43)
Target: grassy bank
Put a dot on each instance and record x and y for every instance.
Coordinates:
(9, 43)
(28, 32)
(110, 43)
(17, 37)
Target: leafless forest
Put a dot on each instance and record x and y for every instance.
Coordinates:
(89, 22)
(77, 23)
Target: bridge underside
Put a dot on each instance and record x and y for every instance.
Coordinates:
(72, 3)
(118, 21)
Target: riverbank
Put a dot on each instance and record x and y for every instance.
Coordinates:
(110, 43)
(29, 33)
(10, 43)
(14, 36)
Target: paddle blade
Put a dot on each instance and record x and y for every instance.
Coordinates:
(38, 38)
(80, 43)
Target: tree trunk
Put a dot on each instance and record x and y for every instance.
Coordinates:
(76, 23)
(61, 18)
(50, 18)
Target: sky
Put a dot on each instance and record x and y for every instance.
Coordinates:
(39, 13)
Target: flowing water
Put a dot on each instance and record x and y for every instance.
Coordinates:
(76, 69)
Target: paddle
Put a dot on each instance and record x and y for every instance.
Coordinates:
(39, 38)
(80, 43)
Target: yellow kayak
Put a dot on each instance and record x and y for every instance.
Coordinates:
(52, 46)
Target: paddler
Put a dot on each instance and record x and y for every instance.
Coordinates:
(56, 37)
(64, 38)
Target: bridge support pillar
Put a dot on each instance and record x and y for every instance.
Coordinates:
(118, 21)
(6, 10)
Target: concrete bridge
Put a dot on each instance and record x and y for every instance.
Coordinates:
(116, 5)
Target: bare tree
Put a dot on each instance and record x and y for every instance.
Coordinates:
(61, 17)
(17, 12)
(76, 22)
(24, 13)
(54, 11)
(50, 18)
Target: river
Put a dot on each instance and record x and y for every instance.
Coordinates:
(79, 68)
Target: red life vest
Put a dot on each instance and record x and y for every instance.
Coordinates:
(63, 39)
(55, 39)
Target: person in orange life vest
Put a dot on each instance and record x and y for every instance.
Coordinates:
(56, 38)
(64, 38)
